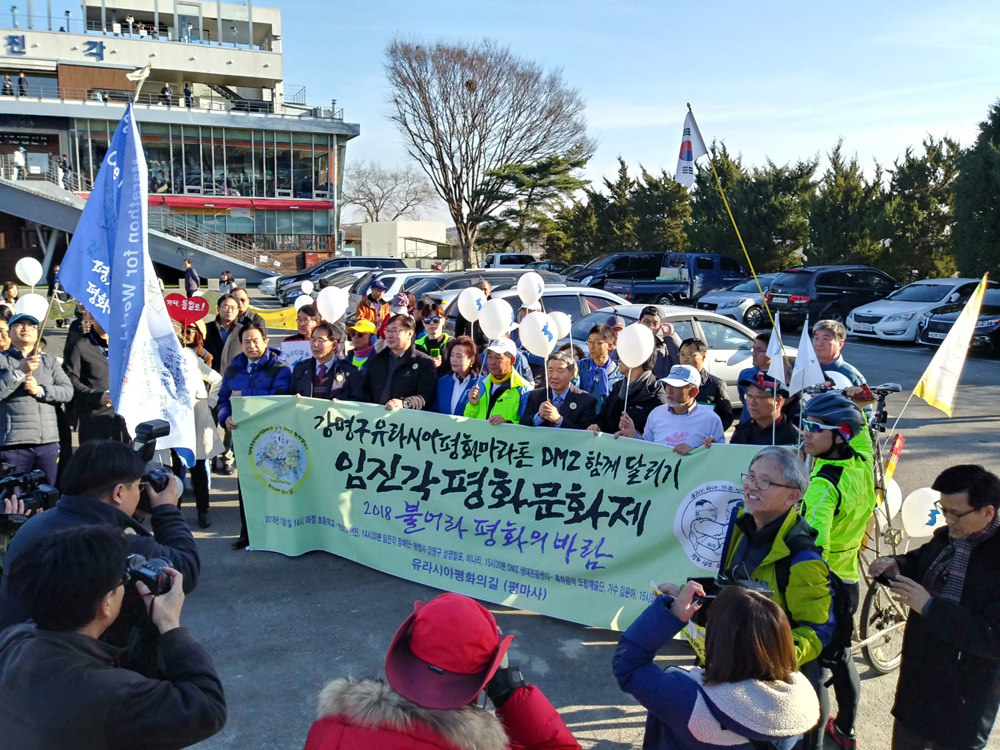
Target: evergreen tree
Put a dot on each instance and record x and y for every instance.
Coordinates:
(977, 202)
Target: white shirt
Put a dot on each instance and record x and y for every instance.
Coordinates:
(458, 389)
(667, 428)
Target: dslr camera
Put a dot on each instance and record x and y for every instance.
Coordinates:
(713, 586)
(31, 489)
(144, 445)
(149, 572)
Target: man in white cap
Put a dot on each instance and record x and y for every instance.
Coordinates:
(504, 394)
(681, 423)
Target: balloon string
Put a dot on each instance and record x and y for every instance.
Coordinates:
(628, 378)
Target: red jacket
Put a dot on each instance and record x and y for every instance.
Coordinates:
(370, 715)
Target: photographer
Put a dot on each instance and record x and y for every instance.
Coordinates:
(58, 685)
(102, 485)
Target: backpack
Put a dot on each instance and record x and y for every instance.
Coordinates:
(843, 604)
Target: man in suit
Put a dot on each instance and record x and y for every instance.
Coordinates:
(323, 375)
(400, 376)
(569, 407)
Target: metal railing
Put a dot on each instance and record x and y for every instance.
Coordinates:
(212, 100)
(52, 172)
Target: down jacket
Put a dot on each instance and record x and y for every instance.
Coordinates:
(30, 420)
(365, 714)
(271, 377)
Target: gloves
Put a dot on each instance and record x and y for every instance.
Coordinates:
(503, 684)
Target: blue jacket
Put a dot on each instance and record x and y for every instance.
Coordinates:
(271, 377)
(685, 714)
(446, 389)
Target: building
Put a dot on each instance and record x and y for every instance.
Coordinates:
(422, 244)
(241, 170)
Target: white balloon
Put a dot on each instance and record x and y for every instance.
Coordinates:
(496, 318)
(538, 333)
(332, 303)
(530, 287)
(635, 344)
(920, 517)
(303, 300)
(563, 323)
(893, 499)
(29, 271)
(470, 303)
(34, 305)
(307, 287)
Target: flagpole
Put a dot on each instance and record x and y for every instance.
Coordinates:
(725, 202)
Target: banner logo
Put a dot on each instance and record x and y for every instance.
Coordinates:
(701, 521)
(280, 459)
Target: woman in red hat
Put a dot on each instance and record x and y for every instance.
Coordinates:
(442, 658)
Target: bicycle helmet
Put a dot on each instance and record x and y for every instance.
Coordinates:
(836, 409)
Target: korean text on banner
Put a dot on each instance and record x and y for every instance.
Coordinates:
(554, 521)
(939, 382)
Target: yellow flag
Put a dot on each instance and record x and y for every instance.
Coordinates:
(938, 383)
(283, 318)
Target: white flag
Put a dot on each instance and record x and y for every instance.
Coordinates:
(940, 380)
(776, 353)
(807, 370)
(692, 149)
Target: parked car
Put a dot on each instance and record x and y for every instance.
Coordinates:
(556, 266)
(340, 277)
(742, 301)
(508, 260)
(395, 281)
(574, 300)
(617, 266)
(825, 292)
(445, 286)
(730, 343)
(570, 270)
(681, 278)
(895, 318)
(267, 286)
(325, 265)
(935, 324)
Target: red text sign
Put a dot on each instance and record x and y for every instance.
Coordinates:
(186, 310)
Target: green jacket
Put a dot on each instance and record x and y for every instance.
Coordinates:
(839, 503)
(509, 405)
(421, 343)
(807, 600)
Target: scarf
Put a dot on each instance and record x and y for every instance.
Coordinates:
(598, 375)
(946, 575)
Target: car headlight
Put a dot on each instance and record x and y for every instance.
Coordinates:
(734, 303)
(898, 317)
(987, 323)
(586, 280)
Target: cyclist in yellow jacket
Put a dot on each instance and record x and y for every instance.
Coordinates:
(502, 396)
(838, 505)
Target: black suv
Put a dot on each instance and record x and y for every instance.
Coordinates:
(344, 261)
(825, 292)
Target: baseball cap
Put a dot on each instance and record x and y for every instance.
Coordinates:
(379, 284)
(503, 346)
(616, 321)
(765, 383)
(681, 375)
(444, 653)
(363, 326)
(22, 316)
(21, 148)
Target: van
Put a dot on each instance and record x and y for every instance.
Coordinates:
(508, 260)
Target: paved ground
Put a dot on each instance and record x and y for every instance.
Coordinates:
(279, 628)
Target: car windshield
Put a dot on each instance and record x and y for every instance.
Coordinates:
(581, 329)
(922, 293)
(426, 286)
(992, 298)
(595, 263)
(792, 280)
(750, 285)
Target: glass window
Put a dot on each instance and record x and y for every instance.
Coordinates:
(302, 166)
(855, 279)
(879, 282)
(832, 278)
(682, 326)
(239, 167)
(721, 336)
(565, 303)
(283, 164)
(321, 222)
(191, 169)
(321, 156)
(595, 303)
(620, 263)
(648, 262)
(729, 264)
(267, 166)
(302, 221)
(704, 263)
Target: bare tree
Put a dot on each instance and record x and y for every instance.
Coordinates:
(386, 194)
(468, 111)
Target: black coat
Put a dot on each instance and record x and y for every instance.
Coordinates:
(214, 342)
(648, 395)
(414, 374)
(345, 379)
(87, 368)
(465, 327)
(748, 433)
(578, 409)
(250, 317)
(668, 354)
(171, 538)
(61, 690)
(949, 680)
(714, 393)
(192, 281)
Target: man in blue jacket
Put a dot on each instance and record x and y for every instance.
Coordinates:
(258, 371)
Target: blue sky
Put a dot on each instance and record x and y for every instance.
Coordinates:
(778, 80)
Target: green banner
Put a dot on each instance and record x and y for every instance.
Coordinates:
(554, 521)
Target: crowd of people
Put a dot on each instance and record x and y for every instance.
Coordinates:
(778, 615)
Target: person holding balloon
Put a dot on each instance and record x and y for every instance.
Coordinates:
(503, 395)
(561, 404)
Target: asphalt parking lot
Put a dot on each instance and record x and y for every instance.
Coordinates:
(279, 628)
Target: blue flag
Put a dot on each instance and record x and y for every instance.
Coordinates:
(107, 268)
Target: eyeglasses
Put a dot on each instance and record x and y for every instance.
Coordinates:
(817, 427)
(597, 342)
(952, 515)
(321, 340)
(763, 484)
(433, 321)
(760, 397)
(25, 324)
(397, 331)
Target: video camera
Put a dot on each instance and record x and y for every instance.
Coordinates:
(31, 489)
(144, 445)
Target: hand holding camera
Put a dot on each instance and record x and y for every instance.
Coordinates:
(164, 609)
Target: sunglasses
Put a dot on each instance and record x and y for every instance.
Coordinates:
(816, 427)
(436, 319)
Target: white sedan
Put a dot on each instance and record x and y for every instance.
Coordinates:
(267, 286)
(895, 318)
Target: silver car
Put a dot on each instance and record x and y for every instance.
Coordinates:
(742, 301)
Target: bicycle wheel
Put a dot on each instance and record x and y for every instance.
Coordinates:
(884, 617)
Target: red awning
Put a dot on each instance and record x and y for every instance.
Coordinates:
(284, 203)
(156, 200)
(198, 201)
